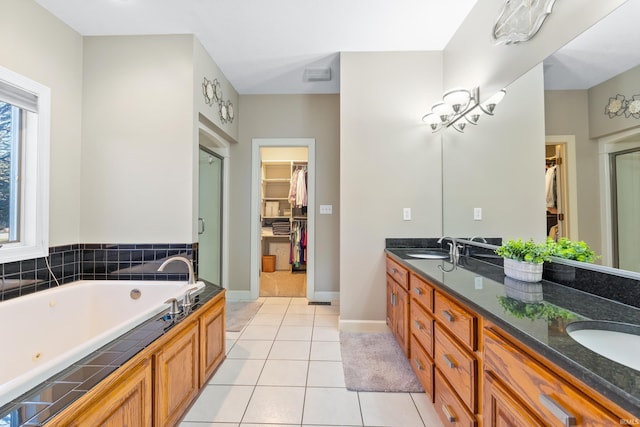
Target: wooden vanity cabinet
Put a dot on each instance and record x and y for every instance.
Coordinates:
(398, 303)
(212, 340)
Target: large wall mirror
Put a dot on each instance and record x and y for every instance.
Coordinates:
(557, 110)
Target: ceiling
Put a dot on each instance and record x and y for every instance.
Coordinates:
(264, 46)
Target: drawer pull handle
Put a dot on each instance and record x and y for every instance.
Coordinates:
(418, 291)
(393, 299)
(394, 270)
(450, 363)
(557, 410)
(450, 317)
(418, 324)
(448, 413)
(418, 364)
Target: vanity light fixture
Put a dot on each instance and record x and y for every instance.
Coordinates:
(458, 104)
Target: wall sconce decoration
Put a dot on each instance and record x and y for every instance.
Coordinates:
(458, 104)
(212, 92)
(619, 105)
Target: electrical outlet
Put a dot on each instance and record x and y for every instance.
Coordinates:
(406, 214)
(477, 282)
(477, 214)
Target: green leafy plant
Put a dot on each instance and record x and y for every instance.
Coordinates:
(527, 251)
(534, 311)
(577, 251)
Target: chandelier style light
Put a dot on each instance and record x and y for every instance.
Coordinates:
(459, 104)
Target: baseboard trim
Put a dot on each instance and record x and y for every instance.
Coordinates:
(333, 297)
(364, 326)
(239, 295)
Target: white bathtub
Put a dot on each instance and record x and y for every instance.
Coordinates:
(44, 332)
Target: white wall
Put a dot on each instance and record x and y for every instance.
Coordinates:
(498, 166)
(388, 161)
(138, 145)
(42, 48)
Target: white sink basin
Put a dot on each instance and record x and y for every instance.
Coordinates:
(430, 254)
(619, 342)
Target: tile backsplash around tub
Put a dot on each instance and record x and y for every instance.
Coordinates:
(100, 261)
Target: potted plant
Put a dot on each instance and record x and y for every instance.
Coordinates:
(523, 259)
(567, 249)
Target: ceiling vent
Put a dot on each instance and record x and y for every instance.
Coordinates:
(317, 74)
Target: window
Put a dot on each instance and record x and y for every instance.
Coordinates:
(24, 167)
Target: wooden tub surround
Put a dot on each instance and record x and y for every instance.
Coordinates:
(157, 385)
(483, 366)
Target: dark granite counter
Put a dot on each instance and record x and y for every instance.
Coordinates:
(479, 283)
(40, 404)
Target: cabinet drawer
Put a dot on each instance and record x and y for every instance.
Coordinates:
(457, 365)
(421, 325)
(550, 397)
(422, 365)
(421, 291)
(448, 407)
(456, 319)
(399, 273)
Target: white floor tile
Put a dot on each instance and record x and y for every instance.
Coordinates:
(290, 350)
(323, 350)
(275, 405)
(228, 345)
(389, 409)
(267, 319)
(273, 308)
(299, 301)
(328, 310)
(325, 374)
(238, 372)
(326, 333)
(277, 300)
(188, 424)
(232, 335)
(426, 410)
(326, 320)
(301, 309)
(331, 406)
(294, 333)
(284, 373)
(220, 403)
(298, 319)
(259, 332)
(250, 349)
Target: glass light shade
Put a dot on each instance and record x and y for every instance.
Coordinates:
(457, 98)
(490, 104)
(473, 116)
(442, 110)
(433, 121)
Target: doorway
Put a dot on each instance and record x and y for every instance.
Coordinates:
(560, 187)
(282, 232)
(625, 208)
(210, 192)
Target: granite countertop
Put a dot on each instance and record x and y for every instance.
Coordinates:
(480, 284)
(39, 405)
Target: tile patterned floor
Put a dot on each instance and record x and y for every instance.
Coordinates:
(285, 369)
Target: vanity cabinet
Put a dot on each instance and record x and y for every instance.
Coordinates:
(156, 386)
(521, 389)
(398, 303)
(421, 331)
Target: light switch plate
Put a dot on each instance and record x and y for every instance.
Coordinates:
(406, 214)
(477, 214)
(326, 209)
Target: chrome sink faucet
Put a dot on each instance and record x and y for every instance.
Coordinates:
(192, 275)
(452, 245)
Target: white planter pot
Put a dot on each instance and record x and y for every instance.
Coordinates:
(520, 270)
(528, 292)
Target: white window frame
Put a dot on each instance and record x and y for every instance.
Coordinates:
(34, 197)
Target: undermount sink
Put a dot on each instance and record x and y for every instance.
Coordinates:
(430, 254)
(616, 341)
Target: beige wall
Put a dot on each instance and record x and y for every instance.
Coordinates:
(498, 166)
(566, 113)
(388, 161)
(138, 143)
(52, 56)
(287, 116)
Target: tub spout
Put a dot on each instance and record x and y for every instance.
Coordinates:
(192, 276)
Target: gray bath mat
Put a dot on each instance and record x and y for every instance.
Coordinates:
(239, 313)
(375, 362)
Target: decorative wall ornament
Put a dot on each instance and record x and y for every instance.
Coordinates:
(619, 105)
(212, 93)
(520, 20)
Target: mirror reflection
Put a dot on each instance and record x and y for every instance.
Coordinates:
(591, 153)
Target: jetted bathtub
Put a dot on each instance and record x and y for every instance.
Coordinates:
(47, 331)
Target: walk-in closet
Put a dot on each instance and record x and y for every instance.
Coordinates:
(283, 221)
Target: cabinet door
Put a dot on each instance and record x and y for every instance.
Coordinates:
(126, 402)
(176, 375)
(402, 319)
(502, 409)
(212, 340)
(390, 303)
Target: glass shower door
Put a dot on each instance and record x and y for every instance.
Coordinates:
(625, 174)
(210, 217)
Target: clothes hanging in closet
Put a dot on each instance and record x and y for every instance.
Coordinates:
(298, 252)
(298, 187)
(550, 181)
